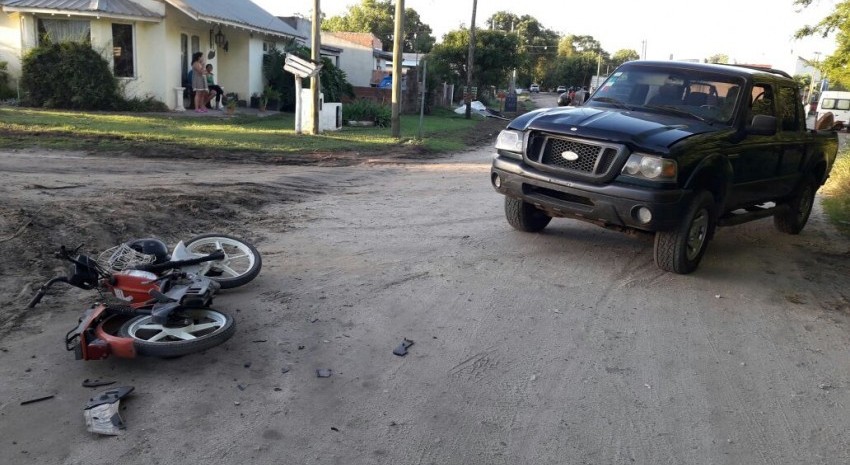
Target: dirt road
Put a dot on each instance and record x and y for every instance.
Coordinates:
(568, 346)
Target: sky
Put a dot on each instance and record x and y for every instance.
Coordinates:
(748, 31)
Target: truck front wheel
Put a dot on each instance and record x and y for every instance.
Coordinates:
(680, 250)
(792, 216)
(523, 216)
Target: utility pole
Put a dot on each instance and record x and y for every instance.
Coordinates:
(398, 43)
(469, 62)
(315, 82)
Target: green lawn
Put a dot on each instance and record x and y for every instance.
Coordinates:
(836, 192)
(24, 128)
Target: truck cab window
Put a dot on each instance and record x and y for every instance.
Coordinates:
(761, 102)
(789, 107)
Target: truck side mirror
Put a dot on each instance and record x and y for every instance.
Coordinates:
(763, 125)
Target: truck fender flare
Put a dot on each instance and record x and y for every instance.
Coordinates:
(713, 173)
(817, 165)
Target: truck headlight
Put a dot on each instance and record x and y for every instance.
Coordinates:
(509, 141)
(650, 167)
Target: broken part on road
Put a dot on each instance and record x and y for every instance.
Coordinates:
(101, 411)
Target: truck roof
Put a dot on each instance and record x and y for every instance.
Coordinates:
(735, 70)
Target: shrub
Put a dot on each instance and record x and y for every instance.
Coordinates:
(6, 92)
(142, 105)
(367, 110)
(68, 75)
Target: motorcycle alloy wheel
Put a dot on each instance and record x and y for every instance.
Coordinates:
(188, 330)
(241, 264)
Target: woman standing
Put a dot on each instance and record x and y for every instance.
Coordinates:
(199, 83)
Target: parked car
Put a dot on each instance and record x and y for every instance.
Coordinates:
(561, 89)
(672, 149)
(534, 88)
(837, 103)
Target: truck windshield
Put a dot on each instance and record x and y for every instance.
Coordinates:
(699, 95)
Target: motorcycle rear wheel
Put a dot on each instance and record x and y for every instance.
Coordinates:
(189, 330)
(241, 264)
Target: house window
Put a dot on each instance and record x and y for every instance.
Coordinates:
(53, 31)
(184, 60)
(268, 47)
(122, 51)
(196, 44)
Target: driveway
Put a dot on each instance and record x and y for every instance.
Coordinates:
(567, 346)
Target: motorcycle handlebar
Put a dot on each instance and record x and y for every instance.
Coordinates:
(41, 292)
(35, 300)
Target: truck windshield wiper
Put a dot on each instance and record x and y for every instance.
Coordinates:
(612, 101)
(677, 111)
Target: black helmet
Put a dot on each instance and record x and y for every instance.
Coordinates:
(151, 246)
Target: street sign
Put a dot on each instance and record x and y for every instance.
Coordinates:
(301, 67)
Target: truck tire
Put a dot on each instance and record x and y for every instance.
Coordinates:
(792, 215)
(680, 250)
(524, 216)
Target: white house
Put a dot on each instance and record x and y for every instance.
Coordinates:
(150, 42)
(362, 57)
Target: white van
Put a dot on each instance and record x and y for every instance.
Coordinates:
(836, 102)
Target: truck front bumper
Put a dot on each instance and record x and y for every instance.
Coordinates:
(611, 205)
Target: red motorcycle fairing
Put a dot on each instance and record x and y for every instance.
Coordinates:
(90, 341)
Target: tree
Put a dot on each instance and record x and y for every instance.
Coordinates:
(572, 44)
(836, 66)
(495, 56)
(718, 58)
(378, 17)
(623, 55)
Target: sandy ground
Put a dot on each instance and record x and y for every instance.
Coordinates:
(568, 346)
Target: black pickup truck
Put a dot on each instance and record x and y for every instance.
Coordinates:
(670, 148)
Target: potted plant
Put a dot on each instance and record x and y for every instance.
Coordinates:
(230, 106)
(270, 96)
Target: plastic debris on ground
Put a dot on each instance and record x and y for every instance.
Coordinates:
(101, 411)
(401, 350)
(478, 107)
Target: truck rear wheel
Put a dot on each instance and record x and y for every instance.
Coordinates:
(792, 216)
(523, 216)
(680, 250)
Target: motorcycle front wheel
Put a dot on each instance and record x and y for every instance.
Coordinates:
(187, 331)
(240, 265)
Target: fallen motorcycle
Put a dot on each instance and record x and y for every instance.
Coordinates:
(159, 315)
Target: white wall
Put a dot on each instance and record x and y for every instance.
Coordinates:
(10, 45)
(150, 48)
(357, 61)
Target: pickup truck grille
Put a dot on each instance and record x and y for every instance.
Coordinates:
(594, 160)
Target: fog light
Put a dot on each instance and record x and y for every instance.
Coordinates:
(497, 180)
(644, 215)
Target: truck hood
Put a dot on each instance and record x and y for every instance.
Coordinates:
(650, 131)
